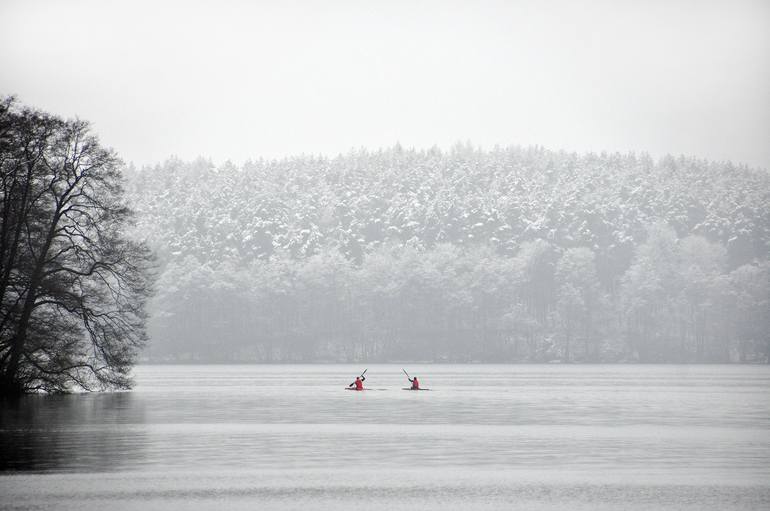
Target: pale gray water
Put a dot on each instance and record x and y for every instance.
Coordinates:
(486, 437)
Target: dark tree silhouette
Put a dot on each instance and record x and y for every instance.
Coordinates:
(72, 285)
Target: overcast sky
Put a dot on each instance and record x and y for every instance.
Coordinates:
(243, 79)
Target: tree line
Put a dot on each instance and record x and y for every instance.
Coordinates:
(72, 285)
(676, 303)
(505, 255)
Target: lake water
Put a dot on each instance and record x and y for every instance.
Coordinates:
(535, 437)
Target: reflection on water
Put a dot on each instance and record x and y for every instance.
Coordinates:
(87, 431)
(497, 432)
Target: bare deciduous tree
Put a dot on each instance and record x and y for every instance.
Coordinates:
(73, 286)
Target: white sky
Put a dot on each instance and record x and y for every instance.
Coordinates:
(231, 79)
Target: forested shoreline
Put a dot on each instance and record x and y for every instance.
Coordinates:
(467, 255)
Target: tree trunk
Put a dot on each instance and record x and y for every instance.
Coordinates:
(20, 338)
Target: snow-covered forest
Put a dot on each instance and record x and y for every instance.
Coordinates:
(514, 254)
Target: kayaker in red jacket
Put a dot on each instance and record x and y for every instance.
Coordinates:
(415, 383)
(359, 383)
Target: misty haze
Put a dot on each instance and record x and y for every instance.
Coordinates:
(384, 255)
(507, 255)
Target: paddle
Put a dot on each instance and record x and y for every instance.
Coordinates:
(361, 376)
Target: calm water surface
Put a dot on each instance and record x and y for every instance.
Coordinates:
(485, 437)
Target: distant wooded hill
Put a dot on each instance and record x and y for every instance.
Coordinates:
(516, 254)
